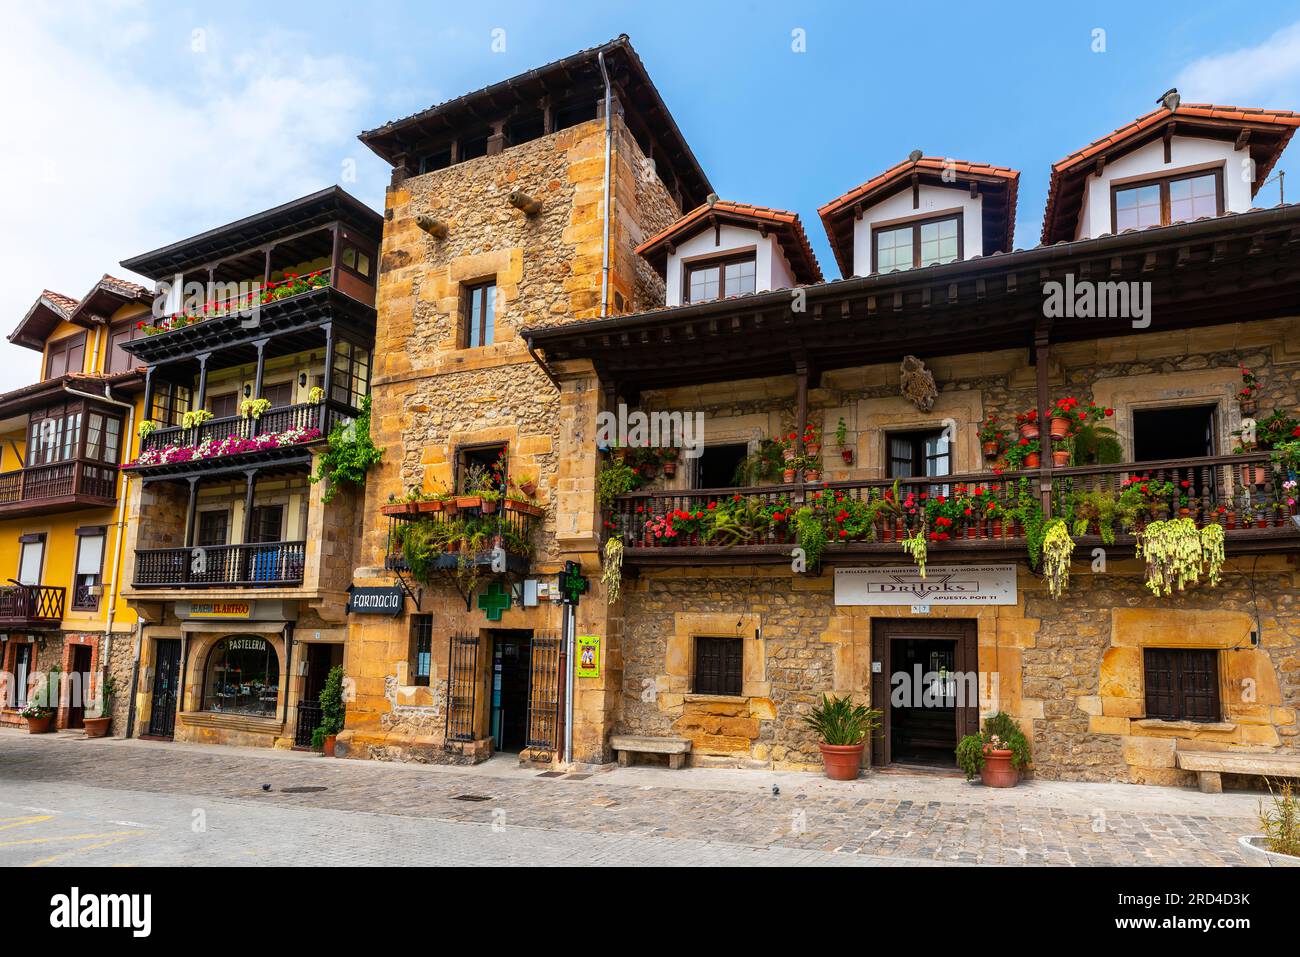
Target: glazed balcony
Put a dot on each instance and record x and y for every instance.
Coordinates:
(58, 487)
(1243, 493)
(31, 606)
(263, 565)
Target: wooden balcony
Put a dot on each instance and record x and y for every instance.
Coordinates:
(1243, 493)
(304, 415)
(31, 606)
(465, 534)
(263, 565)
(58, 487)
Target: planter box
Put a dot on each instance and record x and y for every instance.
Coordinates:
(523, 508)
(428, 506)
(1257, 853)
(399, 508)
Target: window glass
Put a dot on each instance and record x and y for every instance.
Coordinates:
(243, 677)
(894, 249)
(30, 562)
(704, 283)
(22, 671)
(719, 665)
(421, 648)
(1138, 207)
(351, 380)
(938, 242)
(480, 315)
(1193, 198)
(90, 558)
(740, 277)
(213, 527)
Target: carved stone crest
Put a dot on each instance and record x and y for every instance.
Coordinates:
(917, 384)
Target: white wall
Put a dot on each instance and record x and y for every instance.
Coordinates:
(771, 270)
(934, 201)
(1187, 154)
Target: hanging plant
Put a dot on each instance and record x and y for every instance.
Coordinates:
(350, 454)
(147, 428)
(1172, 550)
(253, 408)
(194, 418)
(915, 546)
(611, 574)
(811, 534)
(1058, 547)
(316, 395)
(1212, 551)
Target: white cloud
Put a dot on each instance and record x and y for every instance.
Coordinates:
(97, 164)
(1266, 75)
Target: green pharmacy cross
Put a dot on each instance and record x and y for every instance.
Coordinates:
(494, 601)
(573, 585)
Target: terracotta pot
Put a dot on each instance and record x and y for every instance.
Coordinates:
(1184, 512)
(847, 455)
(1261, 523)
(1061, 459)
(428, 506)
(528, 488)
(1232, 520)
(812, 475)
(96, 727)
(1029, 430)
(670, 469)
(451, 508)
(40, 725)
(990, 450)
(813, 448)
(1032, 460)
(787, 476)
(998, 771)
(328, 748)
(787, 454)
(995, 528)
(398, 508)
(1060, 427)
(1248, 406)
(489, 508)
(842, 761)
(468, 501)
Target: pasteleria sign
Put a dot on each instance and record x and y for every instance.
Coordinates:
(942, 585)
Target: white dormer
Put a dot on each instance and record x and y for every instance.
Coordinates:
(724, 249)
(922, 212)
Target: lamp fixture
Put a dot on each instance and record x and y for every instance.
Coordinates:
(302, 380)
(248, 390)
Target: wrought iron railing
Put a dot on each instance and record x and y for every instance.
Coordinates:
(59, 480)
(545, 691)
(309, 719)
(455, 529)
(262, 565)
(31, 603)
(1237, 491)
(303, 415)
(462, 688)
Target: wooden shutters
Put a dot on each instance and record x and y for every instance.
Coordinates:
(719, 665)
(1182, 684)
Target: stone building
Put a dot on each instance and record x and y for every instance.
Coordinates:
(546, 259)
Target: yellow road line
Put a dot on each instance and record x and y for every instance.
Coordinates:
(78, 850)
(20, 821)
(69, 837)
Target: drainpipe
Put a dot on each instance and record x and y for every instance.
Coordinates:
(609, 141)
(115, 568)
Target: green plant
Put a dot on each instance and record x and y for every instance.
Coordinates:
(349, 455)
(315, 394)
(332, 707)
(914, 545)
(420, 543)
(811, 535)
(613, 480)
(1016, 454)
(1212, 551)
(1095, 444)
(253, 408)
(841, 434)
(763, 466)
(838, 721)
(1099, 506)
(970, 755)
(147, 428)
(1172, 550)
(1281, 823)
(107, 692)
(44, 698)
(611, 573)
(1058, 548)
(1029, 512)
(194, 418)
(1000, 732)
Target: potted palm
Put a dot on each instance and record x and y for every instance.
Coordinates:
(997, 754)
(332, 712)
(97, 727)
(843, 728)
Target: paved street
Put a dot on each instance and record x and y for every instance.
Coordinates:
(68, 800)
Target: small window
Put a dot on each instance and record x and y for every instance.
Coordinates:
(280, 394)
(919, 454)
(480, 314)
(268, 521)
(171, 402)
(1181, 432)
(65, 355)
(355, 260)
(351, 375)
(224, 406)
(214, 527)
(103, 435)
(1182, 684)
(119, 360)
(1174, 199)
(90, 566)
(478, 463)
(31, 558)
(924, 243)
(22, 673)
(719, 665)
(719, 466)
(421, 648)
(719, 278)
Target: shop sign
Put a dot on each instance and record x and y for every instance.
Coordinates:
(380, 600)
(221, 609)
(942, 585)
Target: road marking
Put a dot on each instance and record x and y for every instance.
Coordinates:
(68, 837)
(77, 850)
(20, 821)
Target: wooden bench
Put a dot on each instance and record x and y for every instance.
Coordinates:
(628, 744)
(1209, 765)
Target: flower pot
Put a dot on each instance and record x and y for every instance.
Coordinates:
(96, 727)
(1231, 520)
(812, 475)
(426, 507)
(990, 450)
(847, 455)
(1255, 849)
(1261, 522)
(813, 448)
(1032, 460)
(787, 476)
(398, 508)
(1184, 512)
(1060, 427)
(468, 501)
(1029, 430)
(842, 761)
(787, 454)
(327, 748)
(40, 725)
(998, 771)
(451, 508)
(1061, 459)
(670, 469)
(995, 528)
(528, 488)
(971, 531)
(1248, 406)
(489, 507)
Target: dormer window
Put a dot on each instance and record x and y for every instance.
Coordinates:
(922, 243)
(719, 278)
(1172, 199)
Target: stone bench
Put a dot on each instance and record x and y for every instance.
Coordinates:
(1209, 765)
(628, 744)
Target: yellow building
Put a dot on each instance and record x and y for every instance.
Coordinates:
(64, 439)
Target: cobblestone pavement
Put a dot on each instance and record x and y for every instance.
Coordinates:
(68, 800)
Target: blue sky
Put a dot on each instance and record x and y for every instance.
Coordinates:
(144, 123)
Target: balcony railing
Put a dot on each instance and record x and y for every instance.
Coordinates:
(31, 605)
(464, 531)
(58, 481)
(263, 565)
(1241, 492)
(304, 415)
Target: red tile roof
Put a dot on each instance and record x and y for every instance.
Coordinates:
(107, 296)
(1060, 217)
(61, 303)
(835, 213)
(785, 224)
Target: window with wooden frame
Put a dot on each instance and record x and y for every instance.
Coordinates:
(719, 665)
(268, 524)
(214, 528)
(1182, 684)
(356, 260)
(421, 649)
(65, 355)
(103, 437)
(351, 382)
(89, 569)
(925, 242)
(717, 278)
(224, 406)
(170, 403)
(474, 462)
(31, 558)
(478, 314)
(119, 360)
(1169, 199)
(918, 454)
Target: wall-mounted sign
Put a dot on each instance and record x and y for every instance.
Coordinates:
(588, 656)
(221, 609)
(380, 600)
(942, 585)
